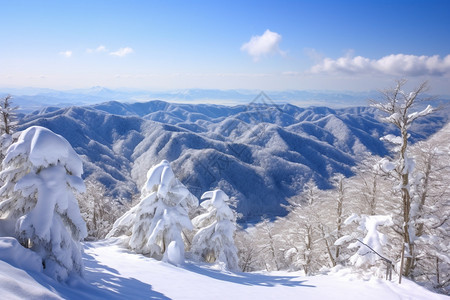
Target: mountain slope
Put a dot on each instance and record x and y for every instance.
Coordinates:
(261, 154)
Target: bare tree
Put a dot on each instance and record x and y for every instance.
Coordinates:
(266, 244)
(247, 251)
(98, 210)
(433, 213)
(399, 106)
(365, 190)
(340, 188)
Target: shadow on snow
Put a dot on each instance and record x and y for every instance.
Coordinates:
(104, 282)
(250, 279)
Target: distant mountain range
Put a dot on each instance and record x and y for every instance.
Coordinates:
(30, 99)
(260, 153)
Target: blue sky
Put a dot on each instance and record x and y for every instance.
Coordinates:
(266, 45)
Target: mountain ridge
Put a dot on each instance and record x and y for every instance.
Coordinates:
(261, 154)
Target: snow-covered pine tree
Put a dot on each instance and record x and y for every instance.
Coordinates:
(214, 240)
(42, 172)
(154, 226)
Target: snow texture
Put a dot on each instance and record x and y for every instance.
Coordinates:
(12, 252)
(154, 226)
(113, 273)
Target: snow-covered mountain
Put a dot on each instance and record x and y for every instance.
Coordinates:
(260, 153)
(30, 99)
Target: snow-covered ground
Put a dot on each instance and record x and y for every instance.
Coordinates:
(114, 273)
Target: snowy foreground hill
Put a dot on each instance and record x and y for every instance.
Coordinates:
(114, 273)
(261, 153)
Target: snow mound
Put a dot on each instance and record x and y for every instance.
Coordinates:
(12, 252)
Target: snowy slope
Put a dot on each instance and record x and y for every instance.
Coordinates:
(114, 273)
(260, 154)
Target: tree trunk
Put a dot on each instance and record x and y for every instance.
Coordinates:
(406, 197)
(437, 272)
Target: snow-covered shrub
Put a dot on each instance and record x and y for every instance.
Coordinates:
(214, 240)
(154, 226)
(370, 248)
(41, 172)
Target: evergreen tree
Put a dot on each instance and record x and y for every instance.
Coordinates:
(154, 226)
(214, 240)
(42, 172)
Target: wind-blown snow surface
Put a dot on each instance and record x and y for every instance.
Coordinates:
(114, 273)
(260, 153)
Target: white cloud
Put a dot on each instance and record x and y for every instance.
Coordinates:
(394, 64)
(99, 49)
(263, 45)
(122, 52)
(67, 53)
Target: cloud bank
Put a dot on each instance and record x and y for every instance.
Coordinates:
(394, 64)
(122, 52)
(262, 45)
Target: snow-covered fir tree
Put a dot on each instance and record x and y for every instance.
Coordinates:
(154, 226)
(42, 172)
(214, 240)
